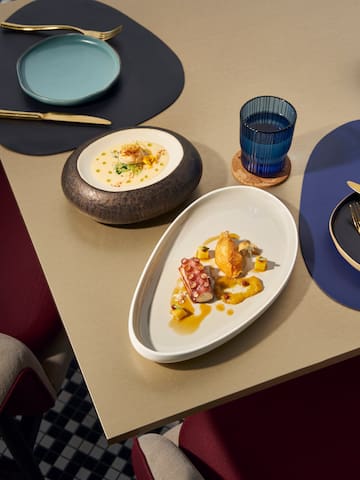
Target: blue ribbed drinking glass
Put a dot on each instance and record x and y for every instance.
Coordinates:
(266, 131)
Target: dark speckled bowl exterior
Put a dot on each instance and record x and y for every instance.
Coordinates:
(133, 206)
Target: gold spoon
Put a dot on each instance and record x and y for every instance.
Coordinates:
(354, 186)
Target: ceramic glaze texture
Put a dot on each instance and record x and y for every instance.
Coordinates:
(119, 207)
(68, 69)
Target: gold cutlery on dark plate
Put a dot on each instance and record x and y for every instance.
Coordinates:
(355, 215)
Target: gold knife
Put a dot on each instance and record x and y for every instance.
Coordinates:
(53, 116)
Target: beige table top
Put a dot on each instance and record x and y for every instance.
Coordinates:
(306, 52)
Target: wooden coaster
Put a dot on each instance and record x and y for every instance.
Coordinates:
(246, 178)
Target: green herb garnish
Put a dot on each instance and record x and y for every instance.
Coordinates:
(128, 167)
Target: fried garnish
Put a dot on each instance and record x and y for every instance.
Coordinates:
(227, 256)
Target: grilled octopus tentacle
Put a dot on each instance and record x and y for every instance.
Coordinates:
(197, 281)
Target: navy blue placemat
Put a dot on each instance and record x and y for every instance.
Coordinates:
(334, 160)
(151, 78)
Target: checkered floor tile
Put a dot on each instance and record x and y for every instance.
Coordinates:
(71, 444)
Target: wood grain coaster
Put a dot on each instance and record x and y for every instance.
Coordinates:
(246, 178)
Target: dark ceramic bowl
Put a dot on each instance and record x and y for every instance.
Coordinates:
(128, 204)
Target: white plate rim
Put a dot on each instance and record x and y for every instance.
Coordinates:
(162, 137)
(170, 357)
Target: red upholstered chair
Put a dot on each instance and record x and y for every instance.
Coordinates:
(307, 428)
(34, 350)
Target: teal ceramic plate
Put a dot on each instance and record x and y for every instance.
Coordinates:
(68, 69)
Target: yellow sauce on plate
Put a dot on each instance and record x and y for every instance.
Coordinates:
(187, 316)
(112, 168)
(192, 322)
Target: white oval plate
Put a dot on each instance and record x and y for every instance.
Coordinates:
(131, 135)
(250, 212)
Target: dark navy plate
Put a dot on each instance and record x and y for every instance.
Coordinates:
(343, 232)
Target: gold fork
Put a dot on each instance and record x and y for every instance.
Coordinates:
(34, 28)
(355, 215)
